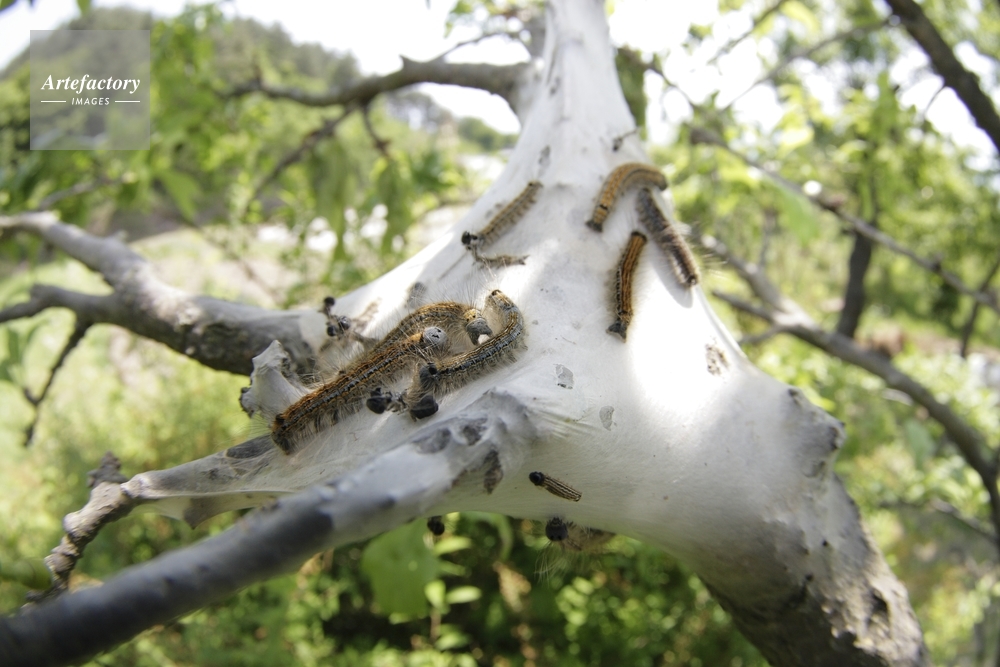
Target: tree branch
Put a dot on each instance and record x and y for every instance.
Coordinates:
(851, 33)
(327, 129)
(785, 313)
(857, 268)
(949, 68)
(79, 331)
(78, 189)
(405, 483)
(970, 324)
(219, 334)
(757, 20)
(500, 80)
(856, 224)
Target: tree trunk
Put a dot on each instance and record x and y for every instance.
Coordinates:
(670, 435)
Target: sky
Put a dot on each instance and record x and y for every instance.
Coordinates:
(415, 29)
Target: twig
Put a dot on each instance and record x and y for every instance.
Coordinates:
(308, 142)
(654, 67)
(949, 68)
(757, 339)
(78, 189)
(510, 34)
(857, 31)
(856, 224)
(759, 19)
(381, 145)
(949, 510)
(970, 324)
(79, 331)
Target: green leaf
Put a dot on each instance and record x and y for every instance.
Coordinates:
(451, 544)
(798, 215)
(399, 566)
(799, 12)
(84, 6)
(920, 441)
(463, 594)
(183, 189)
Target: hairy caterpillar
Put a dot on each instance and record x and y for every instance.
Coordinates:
(620, 180)
(345, 393)
(666, 236)
(435, 379)
(435, 525)
(623, 283)
(556, 529)
(337, 325)
(510, 214)
(554, 486)
(451, 316)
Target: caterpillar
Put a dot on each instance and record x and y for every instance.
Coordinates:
(554, 486)
(556, 530)
(666, 236)
(621, 179)
(451, 316)
(435, 379)
(507, 216)
(435, 525)
(623, 283)
(345, 393)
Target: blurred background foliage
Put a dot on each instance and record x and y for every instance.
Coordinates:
(257, 200)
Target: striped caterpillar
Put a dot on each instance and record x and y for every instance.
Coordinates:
(621, 179)
(554, 486)
(422, 334)
(343, 395)
(666, 236)
(623, 283)
(502, 221)
(436, 379)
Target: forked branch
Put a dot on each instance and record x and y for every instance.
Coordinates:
(445, 459)
(497, 79)
(955, 75)
(780, 311)
(856, 224)
(219, 334)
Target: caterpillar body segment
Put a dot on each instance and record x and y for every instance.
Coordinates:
(554, 486)
(624, 278)
(556, 530)
(347, 392)
(453, 317)
(666, 236)
(503, 220)
(623, 177)
(438, 378)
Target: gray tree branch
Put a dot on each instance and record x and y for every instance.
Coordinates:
(407, 482)
(856, 224)
(850, 33)
(781, 311)
(955, 76)
(217, 333)
(500, 80)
